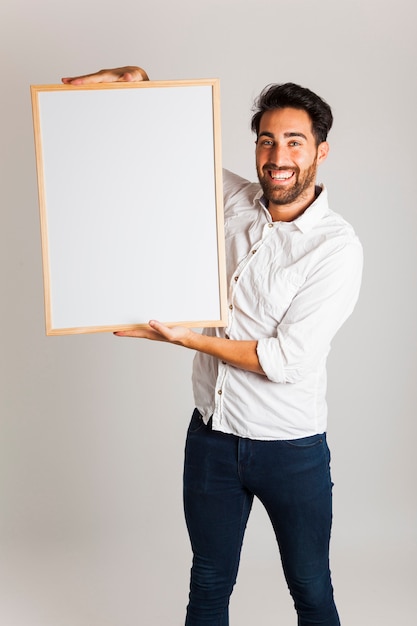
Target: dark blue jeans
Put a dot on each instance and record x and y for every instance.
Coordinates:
(222, 475)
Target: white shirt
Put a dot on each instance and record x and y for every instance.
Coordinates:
(291, 287)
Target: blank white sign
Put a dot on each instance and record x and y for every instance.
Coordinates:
(130, 193)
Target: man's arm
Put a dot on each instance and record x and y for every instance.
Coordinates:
(126, 74)
(304, 335)
(319, 308)
(240, 354)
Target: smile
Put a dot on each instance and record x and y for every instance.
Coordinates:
(280, 174)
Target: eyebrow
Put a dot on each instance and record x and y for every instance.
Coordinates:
(266, 133)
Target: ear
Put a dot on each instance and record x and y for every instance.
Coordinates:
(322, 151)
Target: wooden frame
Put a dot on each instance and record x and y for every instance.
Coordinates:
(131, 204)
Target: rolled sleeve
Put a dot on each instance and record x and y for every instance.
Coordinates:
(270, 359)
(318, 310)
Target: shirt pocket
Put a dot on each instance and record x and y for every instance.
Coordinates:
(276, 289)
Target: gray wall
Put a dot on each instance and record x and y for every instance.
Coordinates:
(92, 427)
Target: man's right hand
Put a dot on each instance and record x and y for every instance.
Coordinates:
(127, 74)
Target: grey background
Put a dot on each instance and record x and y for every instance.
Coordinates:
(92, 427)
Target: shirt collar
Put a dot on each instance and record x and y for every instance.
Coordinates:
(311, 216)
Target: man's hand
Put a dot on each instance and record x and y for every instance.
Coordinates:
(127, 74)
(159, 332)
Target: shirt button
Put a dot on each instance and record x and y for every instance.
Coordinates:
(220, 392)
(253, 251)
(230, 306)
(270, 226)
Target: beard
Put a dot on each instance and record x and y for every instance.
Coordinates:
(284, 196)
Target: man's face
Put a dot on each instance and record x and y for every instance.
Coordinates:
(287, 158)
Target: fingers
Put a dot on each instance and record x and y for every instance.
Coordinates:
(159, 328)
(128, 73)
(141, 333)
(159, 332)
(153, 331)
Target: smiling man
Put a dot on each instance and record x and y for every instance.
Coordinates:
(259, 426)
(288, 151)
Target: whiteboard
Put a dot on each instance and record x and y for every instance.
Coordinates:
(130, 199)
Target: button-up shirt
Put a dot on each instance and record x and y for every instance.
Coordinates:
(291, 287)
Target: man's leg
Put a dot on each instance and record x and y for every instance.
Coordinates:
(217, 507)
(292, 479)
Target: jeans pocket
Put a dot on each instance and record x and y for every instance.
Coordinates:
(306, 442)
(196, 422)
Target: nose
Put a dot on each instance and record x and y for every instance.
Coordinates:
(279, 155)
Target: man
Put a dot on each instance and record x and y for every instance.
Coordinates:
(294, 272)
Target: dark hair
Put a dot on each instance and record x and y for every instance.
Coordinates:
(296, 97)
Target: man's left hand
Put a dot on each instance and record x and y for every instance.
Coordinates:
(159, 332)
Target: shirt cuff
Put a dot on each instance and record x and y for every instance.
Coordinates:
(270, 359)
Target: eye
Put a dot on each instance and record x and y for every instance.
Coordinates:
(267, 142)
(295, 144)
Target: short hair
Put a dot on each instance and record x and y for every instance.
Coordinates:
(291, 95)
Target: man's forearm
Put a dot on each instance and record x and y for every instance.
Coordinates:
(240, 354)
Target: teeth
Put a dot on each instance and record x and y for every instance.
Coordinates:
(281, 176)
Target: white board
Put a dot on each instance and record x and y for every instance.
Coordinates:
(130, 196)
